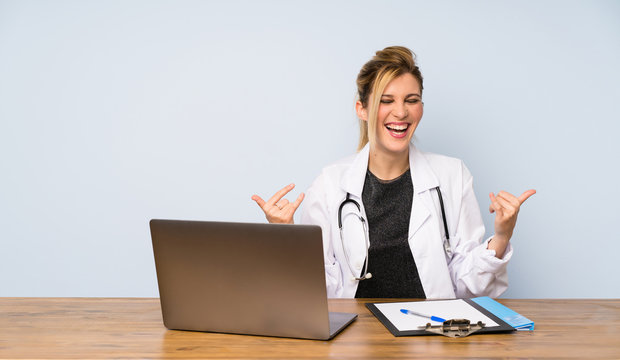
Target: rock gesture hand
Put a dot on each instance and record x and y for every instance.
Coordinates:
(278, 210)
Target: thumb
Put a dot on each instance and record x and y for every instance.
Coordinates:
(258, 200)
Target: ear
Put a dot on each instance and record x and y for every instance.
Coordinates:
(361, 111)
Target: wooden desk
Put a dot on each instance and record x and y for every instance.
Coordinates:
(132, 328)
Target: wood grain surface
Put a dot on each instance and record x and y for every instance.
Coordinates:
(54, 328)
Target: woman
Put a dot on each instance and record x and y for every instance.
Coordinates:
(400, 201)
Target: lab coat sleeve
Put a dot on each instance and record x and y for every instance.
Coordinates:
(315, 212)
(474, 269)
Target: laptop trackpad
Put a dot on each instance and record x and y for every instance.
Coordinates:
(338, 321)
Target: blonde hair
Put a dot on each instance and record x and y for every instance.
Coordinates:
(375, 75)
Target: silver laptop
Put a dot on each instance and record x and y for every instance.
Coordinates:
(242, 278)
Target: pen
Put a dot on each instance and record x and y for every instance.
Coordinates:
(433, 318)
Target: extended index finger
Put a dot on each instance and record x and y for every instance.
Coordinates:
(526, 195)
(280, 194)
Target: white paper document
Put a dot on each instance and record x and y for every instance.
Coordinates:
(446, 309)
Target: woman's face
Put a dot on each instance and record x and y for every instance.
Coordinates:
(400, 111)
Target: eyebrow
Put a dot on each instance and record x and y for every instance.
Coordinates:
(408, 95)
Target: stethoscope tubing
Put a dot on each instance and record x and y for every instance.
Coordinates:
(365, 274)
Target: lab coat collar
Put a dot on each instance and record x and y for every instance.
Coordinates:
(422, 174)
(353, 180)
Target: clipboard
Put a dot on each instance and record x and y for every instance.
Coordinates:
(397, 323)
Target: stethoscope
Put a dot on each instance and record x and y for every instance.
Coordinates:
(366, 275)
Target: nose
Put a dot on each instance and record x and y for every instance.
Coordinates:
(400, 111)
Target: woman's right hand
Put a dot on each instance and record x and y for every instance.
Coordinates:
(278, 210)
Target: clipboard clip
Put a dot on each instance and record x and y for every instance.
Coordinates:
(454, 328)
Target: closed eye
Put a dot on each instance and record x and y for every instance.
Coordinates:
(408, 101)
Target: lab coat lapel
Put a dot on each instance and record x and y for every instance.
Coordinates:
(353, 183)
(353, 180)
(423, 179)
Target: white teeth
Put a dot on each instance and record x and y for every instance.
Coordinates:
(397, 127)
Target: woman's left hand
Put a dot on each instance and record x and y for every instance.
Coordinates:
(506, 208)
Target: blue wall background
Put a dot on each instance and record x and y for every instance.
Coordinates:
(116, 112)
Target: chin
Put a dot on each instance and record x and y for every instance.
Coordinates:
(398, 147)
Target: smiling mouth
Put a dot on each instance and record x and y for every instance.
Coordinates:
(399, 129)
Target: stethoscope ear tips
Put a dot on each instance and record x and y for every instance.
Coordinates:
(368, 276)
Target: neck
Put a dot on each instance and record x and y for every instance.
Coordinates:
(387, 165)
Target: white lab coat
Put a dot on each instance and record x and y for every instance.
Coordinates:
(472, 271)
